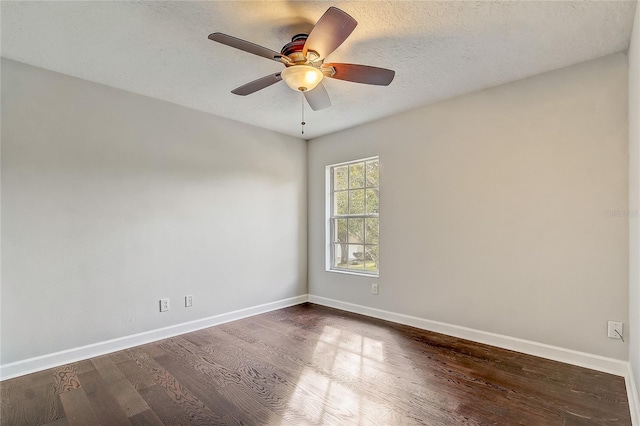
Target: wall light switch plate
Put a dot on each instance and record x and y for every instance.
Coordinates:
(614, 330)
(188, 301)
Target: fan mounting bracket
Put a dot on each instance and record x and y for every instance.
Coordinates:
(328, 71)
(284, 59)
(313, 56)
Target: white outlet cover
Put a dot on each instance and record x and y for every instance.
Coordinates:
(164, 305)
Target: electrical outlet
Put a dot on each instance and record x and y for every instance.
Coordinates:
(188, 301)
(374, 289)
(164, 305)
(614, 330)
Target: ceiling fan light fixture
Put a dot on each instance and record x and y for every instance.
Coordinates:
(302, 77)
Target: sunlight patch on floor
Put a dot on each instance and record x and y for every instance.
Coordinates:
(323, 394)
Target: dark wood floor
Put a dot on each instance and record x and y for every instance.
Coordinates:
(309, 365)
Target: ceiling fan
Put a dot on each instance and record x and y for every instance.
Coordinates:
(303, 59)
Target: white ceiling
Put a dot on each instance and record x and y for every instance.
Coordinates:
(438, 49)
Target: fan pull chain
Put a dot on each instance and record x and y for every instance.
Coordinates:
(302, 122)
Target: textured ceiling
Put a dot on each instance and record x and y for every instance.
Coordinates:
(438, 50)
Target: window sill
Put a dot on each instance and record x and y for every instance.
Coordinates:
(360, 274)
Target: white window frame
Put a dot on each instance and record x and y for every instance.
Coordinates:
(329, 204)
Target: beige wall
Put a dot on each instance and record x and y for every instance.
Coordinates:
(493, 209)
(634, 200)
(111, 201)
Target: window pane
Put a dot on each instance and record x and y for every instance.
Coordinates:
(356, 231)
(340, 228)
(356, 175)
(340, 255)
(373, 203)
(371, 263)
(356, 201)
(341, 202)
(340, 178)
(371, 229)
(356, 256)
(372, 173)
(354, 226)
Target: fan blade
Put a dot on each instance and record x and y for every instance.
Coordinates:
(256, 85)
(362, 74)
(318, 98)
(329, 32)
(247, 46)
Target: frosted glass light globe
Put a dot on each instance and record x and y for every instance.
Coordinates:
(302, 77)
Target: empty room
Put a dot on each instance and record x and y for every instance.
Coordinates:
(320, 213)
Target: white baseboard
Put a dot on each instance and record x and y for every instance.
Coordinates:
(555, 353)
(32, 365)
(632, 396)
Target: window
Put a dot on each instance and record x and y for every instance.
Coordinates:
(354, 216)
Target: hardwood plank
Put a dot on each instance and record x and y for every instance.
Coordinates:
(83, 366)
(239, 380)
(128, 398)
(104, 403)
(146, 418)
(41, 378)
(17, 405)
(170, 412)
(189, 403)
(125, 393)
(107, 369)
(197, 338)
(30, 399)
(120, 356)
(138, 377)
(62, 421)
(49, 403)
(220, 389)
(78, 408)
(66, 378)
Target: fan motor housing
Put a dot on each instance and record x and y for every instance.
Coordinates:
(294, 49)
